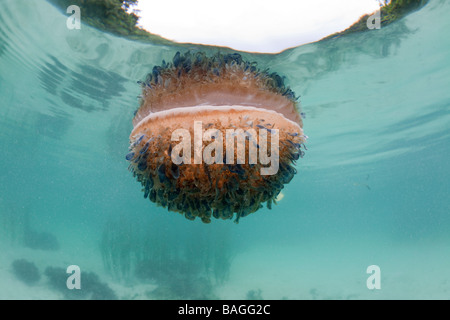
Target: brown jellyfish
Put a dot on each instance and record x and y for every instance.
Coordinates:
(215, 136)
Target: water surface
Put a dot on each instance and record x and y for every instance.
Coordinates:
(373, 188)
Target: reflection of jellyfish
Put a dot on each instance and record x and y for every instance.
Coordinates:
(214, 136)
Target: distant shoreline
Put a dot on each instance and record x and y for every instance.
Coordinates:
(395, 10)
(111, 16)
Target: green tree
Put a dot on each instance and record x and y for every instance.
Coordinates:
(113, 16)
(395, 10)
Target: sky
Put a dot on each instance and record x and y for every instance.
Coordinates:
(267, 26)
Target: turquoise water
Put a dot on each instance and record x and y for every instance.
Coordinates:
(373, 188)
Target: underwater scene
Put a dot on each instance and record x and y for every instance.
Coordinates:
(358, 206)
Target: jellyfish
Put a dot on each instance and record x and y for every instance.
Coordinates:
(215, 136)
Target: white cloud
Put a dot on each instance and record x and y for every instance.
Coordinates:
(251, 25)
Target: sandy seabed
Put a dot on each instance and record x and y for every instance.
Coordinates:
(328, 270)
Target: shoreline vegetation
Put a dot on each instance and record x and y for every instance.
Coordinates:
(395, 10)
(114, 16)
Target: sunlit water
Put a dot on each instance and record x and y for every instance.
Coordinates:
(373, 188)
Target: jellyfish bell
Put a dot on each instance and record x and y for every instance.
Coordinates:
(214, 137)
